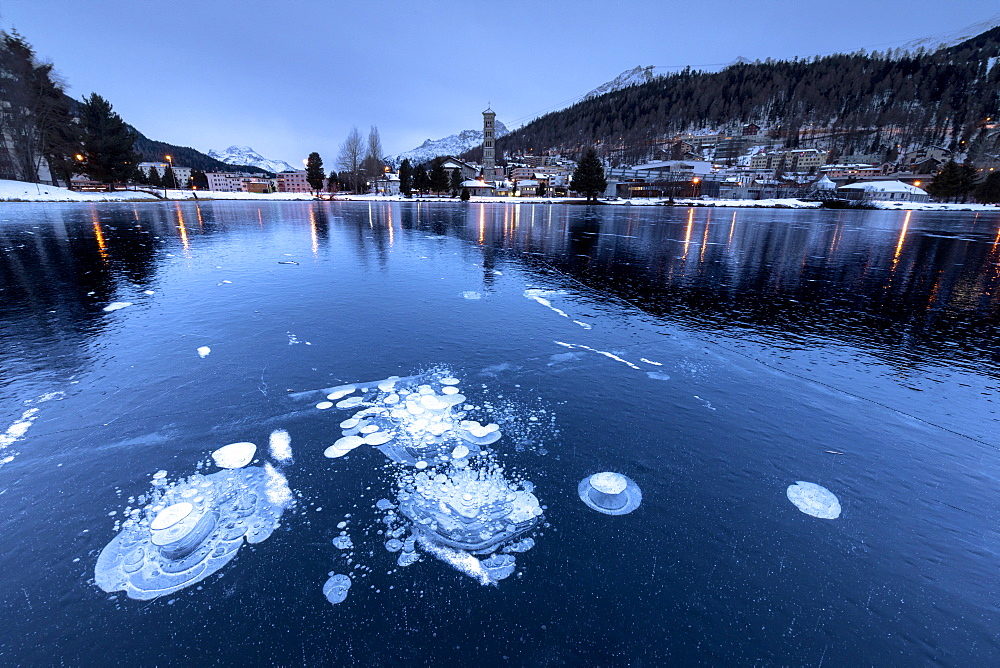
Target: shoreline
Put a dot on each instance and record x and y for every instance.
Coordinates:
(22, 192)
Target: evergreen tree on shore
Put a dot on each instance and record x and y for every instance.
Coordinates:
(406, 178)
(107, 142)
(315, 174)
(588, 178)
(988, 192)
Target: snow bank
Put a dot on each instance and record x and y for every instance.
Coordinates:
(20, 191)
(933, 206)
(646, 201)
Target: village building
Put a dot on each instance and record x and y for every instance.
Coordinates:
(293, 182)
(884, 191)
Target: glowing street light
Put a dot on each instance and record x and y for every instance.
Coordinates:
(173, 178)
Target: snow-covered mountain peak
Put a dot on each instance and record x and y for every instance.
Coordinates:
(455, 144)
(244, 155)
(944, 40)
(633, 77)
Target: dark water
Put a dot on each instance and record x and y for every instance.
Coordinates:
(784, 337)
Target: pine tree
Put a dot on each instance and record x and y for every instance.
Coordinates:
(332, 181)
(988, 192)
(420, 181)
(456, 181)
(169, 179)
(406, 178)
(439, 177)
(107, 142)
(588, 178)
(314, 171)
(465, 194)
(199, 180)
(154, 177)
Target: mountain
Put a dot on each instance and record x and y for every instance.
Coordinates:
(244, 155)
(954, 37)
(153, 151)
(849, 103)
(633, 77)
(455, 144)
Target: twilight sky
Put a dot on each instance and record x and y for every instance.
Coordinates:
(291, 76)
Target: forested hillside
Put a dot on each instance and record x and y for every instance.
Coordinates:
(153, 151)
(848, 102)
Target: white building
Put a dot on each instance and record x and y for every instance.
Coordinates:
(387, 184)
(478, 188)
(887, 191)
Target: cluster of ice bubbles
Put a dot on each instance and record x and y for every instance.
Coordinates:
(190, 528)
(454, 500)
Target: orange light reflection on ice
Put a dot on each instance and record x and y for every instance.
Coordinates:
(902, 237)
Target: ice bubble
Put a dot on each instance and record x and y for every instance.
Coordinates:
(276, 487)
(394, 545)
(421, 464)
(148, 292)
(658, 375)
(407, 558)
(449, 389)
(388, 384)
(323, 405)
(449, 381)
(610, 493)
(341, 392)
(178, 542)
(815, 500)
(472, 294)
(350, 423)
(234, 455)
(203, 351)
(280, 445)
(384, 504)
(471, 509)
(343, 543)
(114, 306)
(521, 545)
(170, 516)
(336, 588)
(159, 475)
(460, 452)
(608, 483)
(499, 567)
(369, 429)
(350, 402)
(378, 438)
(349, 442)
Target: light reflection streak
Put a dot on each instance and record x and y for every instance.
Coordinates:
(704, 238)
(312, 231)
(183, 231)
(102, 246)
(687, 234)
(902, 237)
(732, 228)
(391, 235)
(482, 224)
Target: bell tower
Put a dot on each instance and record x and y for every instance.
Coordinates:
(489, 149)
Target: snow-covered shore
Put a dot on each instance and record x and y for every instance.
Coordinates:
(773, 203)
(19, 191)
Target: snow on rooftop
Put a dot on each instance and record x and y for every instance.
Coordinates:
(885, 187)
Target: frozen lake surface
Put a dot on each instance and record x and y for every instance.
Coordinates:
(465, 367)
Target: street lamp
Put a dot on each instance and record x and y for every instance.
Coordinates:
(173, 178)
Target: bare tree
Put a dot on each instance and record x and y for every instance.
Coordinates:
(373, 156)
(352, 153)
